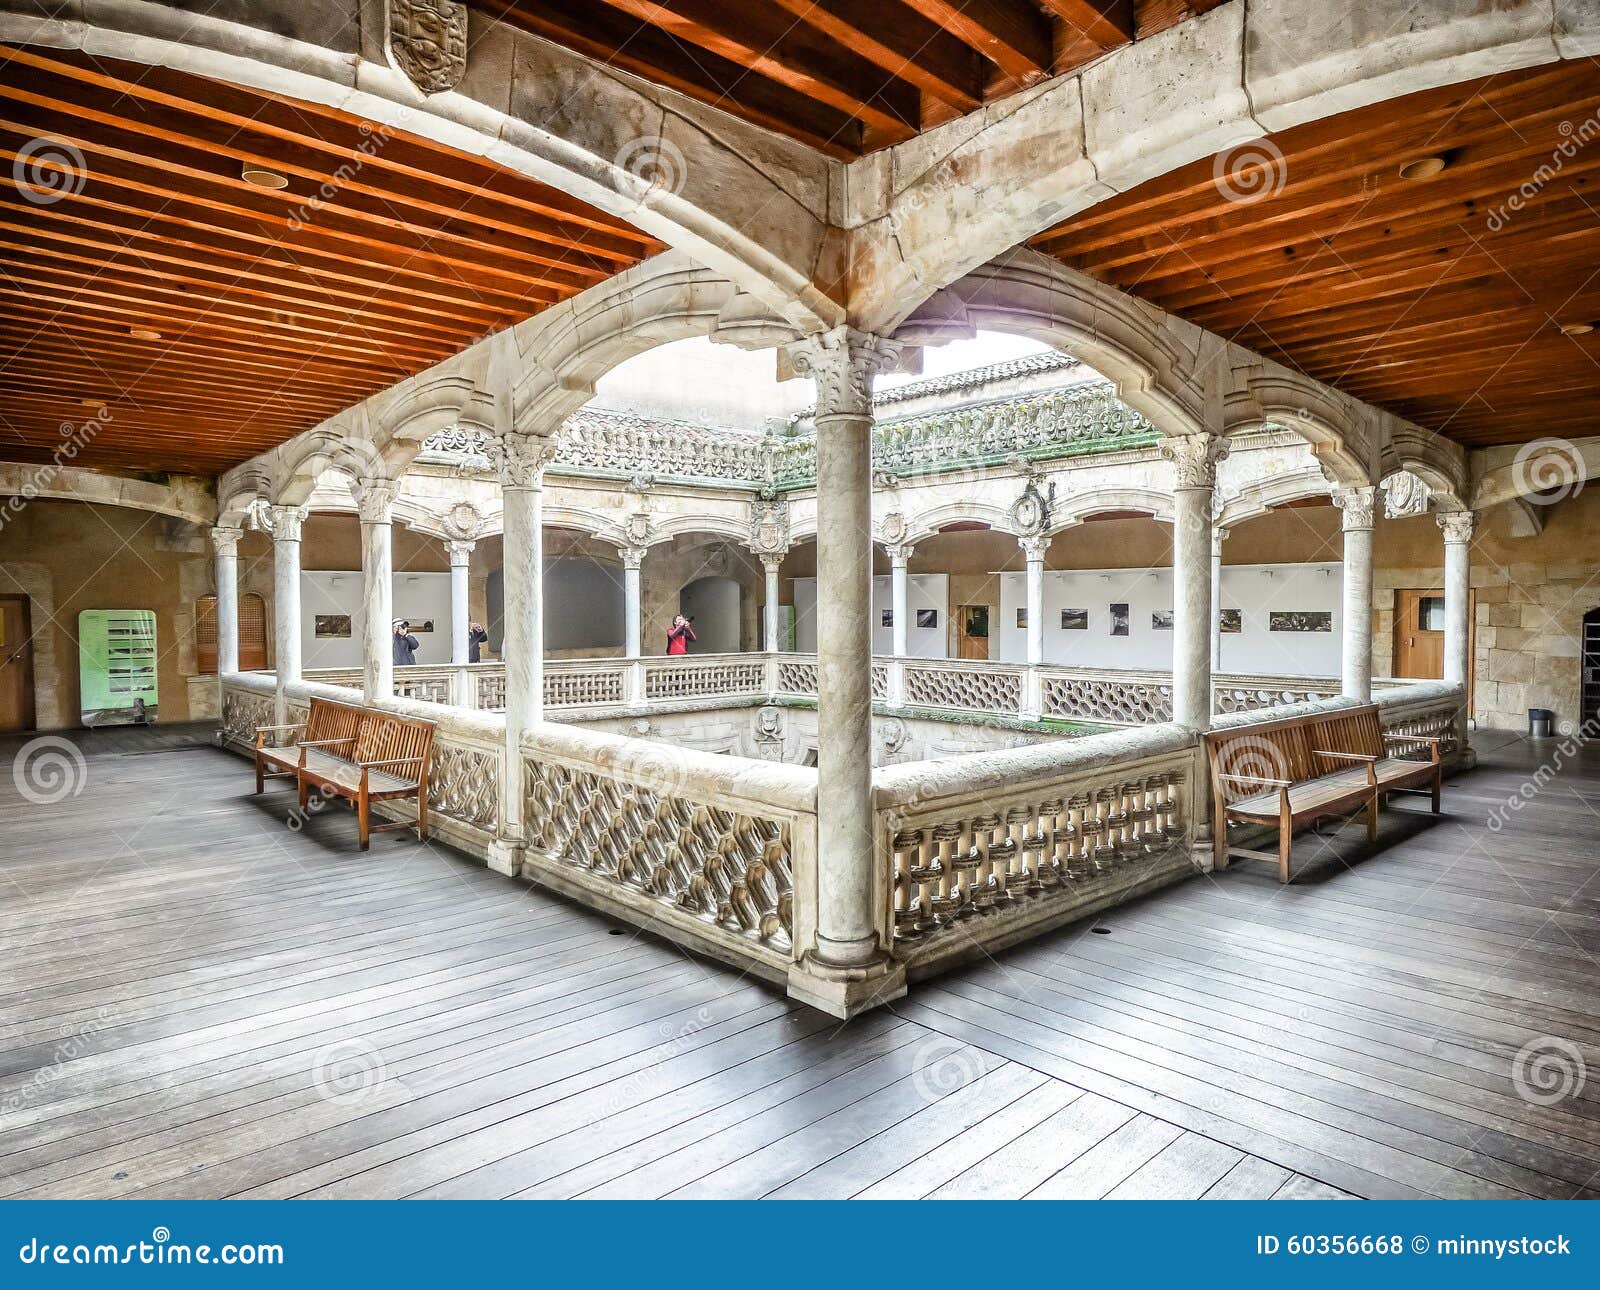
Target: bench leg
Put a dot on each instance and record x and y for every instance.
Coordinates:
(364, 820)
(1372, 819)
(1219, 833)
(304, 786)
(422, 812)
(261, 782)
(1438, 787)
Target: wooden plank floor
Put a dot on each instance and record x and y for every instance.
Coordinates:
(202, 1001)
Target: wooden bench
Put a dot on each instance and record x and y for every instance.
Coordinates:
(1297, 770)
(356, 753)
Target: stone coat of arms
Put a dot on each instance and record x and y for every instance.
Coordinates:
(428, 42)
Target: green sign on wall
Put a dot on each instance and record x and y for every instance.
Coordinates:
(117, 666)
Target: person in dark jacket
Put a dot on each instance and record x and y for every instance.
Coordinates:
(476, 638)
(679, 637)
(405, 644)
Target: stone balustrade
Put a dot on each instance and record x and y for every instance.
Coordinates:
(977, 851)
(1066, 422)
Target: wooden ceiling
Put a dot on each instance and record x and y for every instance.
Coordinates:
(1433, 297)
(275, 309)
(844, 76)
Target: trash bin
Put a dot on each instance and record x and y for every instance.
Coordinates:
(1541, 723)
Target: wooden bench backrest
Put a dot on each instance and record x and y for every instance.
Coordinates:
(1287, 748)
(328, 720)
(387, 737)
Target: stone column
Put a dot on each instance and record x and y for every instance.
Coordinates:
(1356, 506)
(1457, 526)
(225, 541)
(1194, 459)
(375, 505)
(846, 965)
(1218, 536)
(1033, 549)
(520, 460)
(899, 560)
(771, 564)
(460, 614)
(632, 600)
(287, 523)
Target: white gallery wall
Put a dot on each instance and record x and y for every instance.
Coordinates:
(420, 597)
(1257, 591)
(928, 592)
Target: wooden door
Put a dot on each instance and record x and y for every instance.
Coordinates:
(972, 631)
(1419, 635)
(16, 664)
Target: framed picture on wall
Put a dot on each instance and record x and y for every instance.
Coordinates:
(1230, 621)
(1074, 620)
(1022, 616)
(332, 627)
(1161, 620)
(1119, 619)
(421, 626)
(888, 618)
(1317, 620)
(927, 618)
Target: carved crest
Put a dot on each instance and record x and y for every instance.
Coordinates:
(637, 529)
(428, 42)
(1030, 513)
(769, 526)
(892, 528)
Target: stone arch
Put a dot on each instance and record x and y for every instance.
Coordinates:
(1080, 508)
(1236, 74)
(511, 104)
(930, 522)
(1259, 496)
(186, 498)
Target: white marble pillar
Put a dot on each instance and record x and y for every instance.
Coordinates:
(1194, 459)
(520, 459)
(632, 600)
(1033, 549)
(1356, 506)
(771, 563)
(460, 600)
(899, 578)
(375, 506)
(225, 542)
(1457, 526)
(846, 965)
(1218, 536)
(287, 523)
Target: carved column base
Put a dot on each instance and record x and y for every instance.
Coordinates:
(845, 991)
(505, 856)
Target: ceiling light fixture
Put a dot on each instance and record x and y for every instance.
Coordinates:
(143, 333)
(262, 178)
(1423, 168)
(1576, 328)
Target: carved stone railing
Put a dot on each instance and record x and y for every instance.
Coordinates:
(1062, 422)
(694, 844)
(956, 685)
(987, 849)
(1127, 698)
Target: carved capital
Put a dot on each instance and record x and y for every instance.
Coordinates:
(843, 363)
(1219, 535)
(519, 459)
(632, 556)
(375, 499)
(225, 540)
(1358, 506)
(1194, 458)
(286, 522)
(900, 553)
(1457, 526)
(1034, 546)
(772, 561)
(460, 553)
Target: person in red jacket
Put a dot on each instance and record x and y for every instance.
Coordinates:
(679, 637)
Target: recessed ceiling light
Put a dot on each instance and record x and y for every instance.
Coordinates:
(1576, 328)
(262, 178)
(143, 333)
(1422, 168)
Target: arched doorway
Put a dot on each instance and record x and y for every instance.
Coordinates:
(715, 604)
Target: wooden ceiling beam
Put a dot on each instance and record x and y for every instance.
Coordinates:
(1012, 34)
(902, 43)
